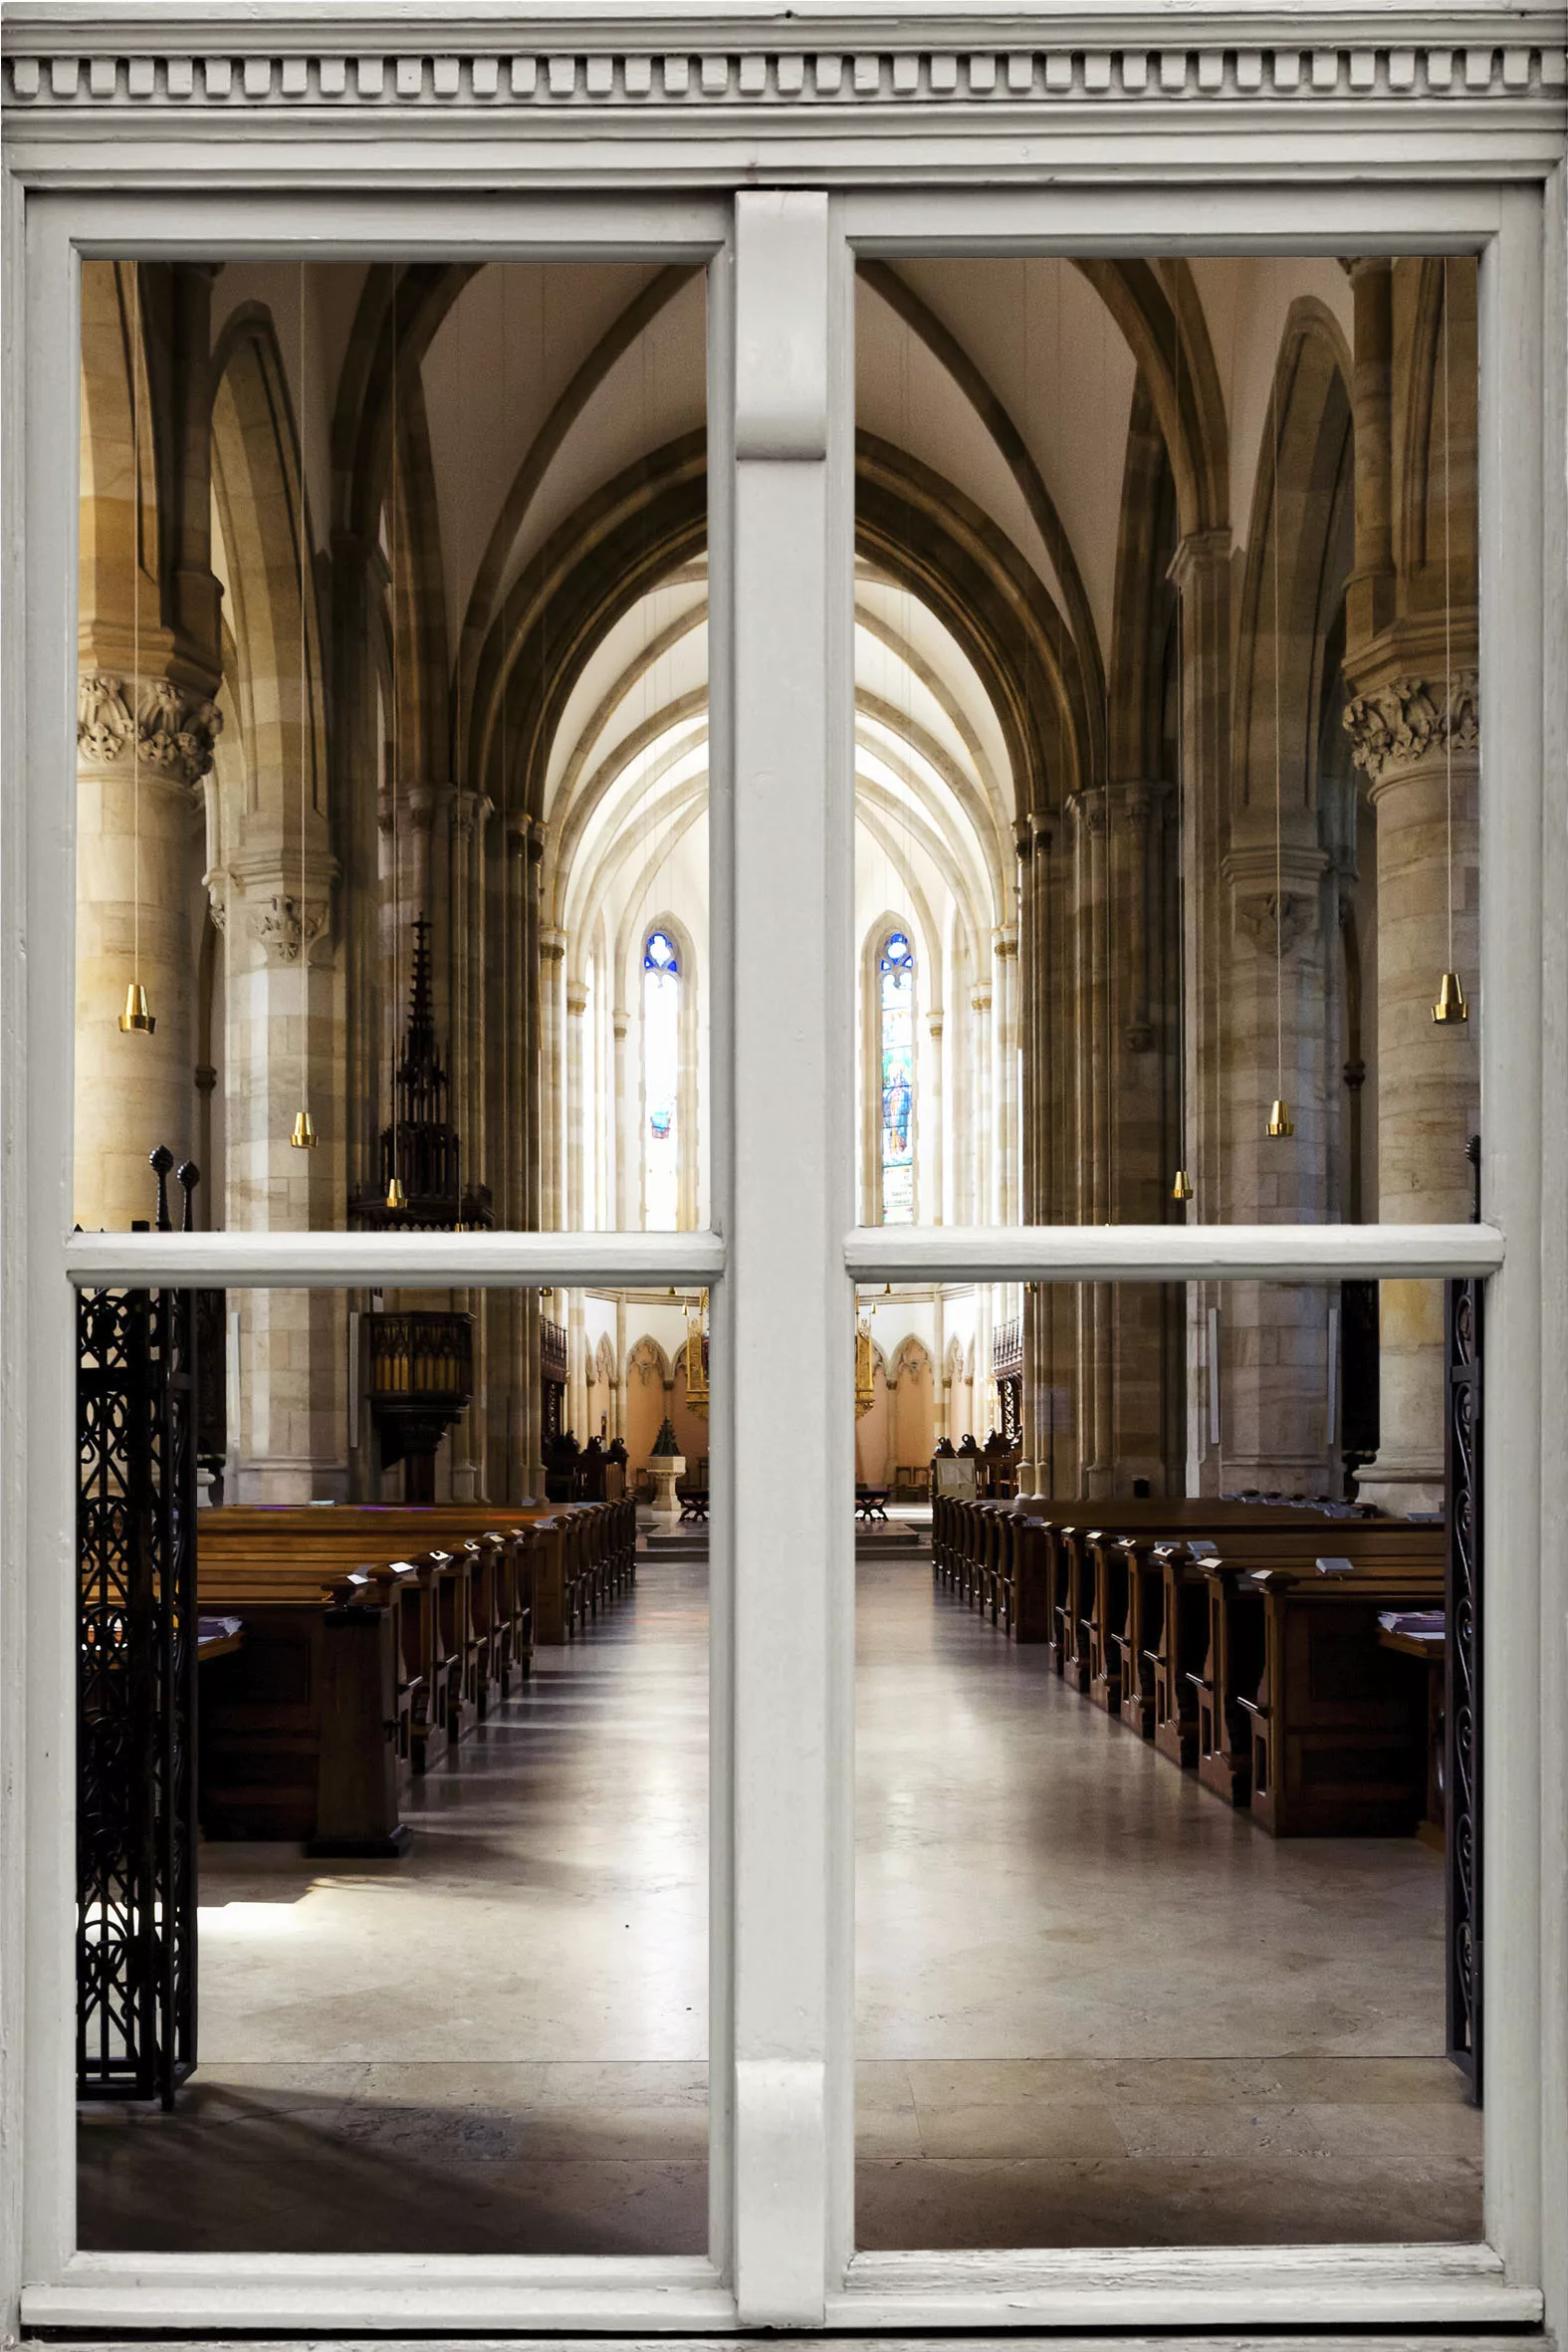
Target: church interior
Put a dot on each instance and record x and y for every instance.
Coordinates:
(393, 915)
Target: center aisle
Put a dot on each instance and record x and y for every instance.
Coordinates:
(1095, 2005)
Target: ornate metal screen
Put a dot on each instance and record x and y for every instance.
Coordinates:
(137, 1686)
(1461, 1760)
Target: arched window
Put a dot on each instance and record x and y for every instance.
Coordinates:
(896, 1051)
(661, 1072)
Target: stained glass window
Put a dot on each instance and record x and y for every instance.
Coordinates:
(896, 972)
(661, 1066)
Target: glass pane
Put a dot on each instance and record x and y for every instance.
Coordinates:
(1166, 737)
(1150, 1779)
(420, 1816)
(392, 754)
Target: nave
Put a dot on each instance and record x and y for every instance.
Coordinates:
(1095, 2005)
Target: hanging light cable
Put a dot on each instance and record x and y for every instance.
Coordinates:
(1280, 1119)
(1450, 1005)
(1183, 1187)
(396, 1198)
(303, 1137)
(136, 1016)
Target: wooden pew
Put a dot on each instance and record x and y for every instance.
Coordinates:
(1337, 1722)
(1210, 1646)
(302, 1730)
(600, 1548)
(1061, 1608)
(1180, 1646)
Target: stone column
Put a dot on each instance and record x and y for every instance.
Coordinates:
(470, 813)
(1428, 1073)
(1200, 570)
(143, 747)
(576, 1105)
(527, 1444)
(934, 1193)
(1043, 1123)
(1004, 1094)
(1093, 1003)
(286, 1033)
(421, 801)
(892, 1430)
(623, 1166)
(982, 1158)
(1369, 590)
(577, 1366)
(1278, 1041)
(552, 951)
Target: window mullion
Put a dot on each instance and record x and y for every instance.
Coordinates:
(787, 1312)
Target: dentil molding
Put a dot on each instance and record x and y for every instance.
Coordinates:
(544, 61)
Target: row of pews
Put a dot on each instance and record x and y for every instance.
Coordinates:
(1245, 1638)
(372, 1640)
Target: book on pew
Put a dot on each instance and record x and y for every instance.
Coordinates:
(1335, 1564)
(1423, 1624)
(1202, 1548)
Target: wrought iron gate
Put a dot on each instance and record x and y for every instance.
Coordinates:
(1462, 1758)
(137, 1684)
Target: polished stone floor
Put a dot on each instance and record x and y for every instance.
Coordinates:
(1095, 2007)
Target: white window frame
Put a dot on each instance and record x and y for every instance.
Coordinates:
(782, 1258)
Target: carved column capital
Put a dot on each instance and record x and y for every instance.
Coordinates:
(552, 946)
(174, 729)
(1277, 909)
(1133, 804)
(420, 801)
(275, 914)
(1400, 723)
(471, 812)
(1088, 810)
(577, 998)
(1200, 552)
(286, 927)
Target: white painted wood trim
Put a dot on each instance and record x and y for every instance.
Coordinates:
(1278, 2340)
(37, 1346)
(724, 1518)
(787, 1207)
(1382, 218)
(1365, 126)
(365, 1260)
(1167, 1253)
(551, 62)
(1552, 2049)
(1347, 2287)
(1515, 839)
(539, 225)
(391, 2293)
